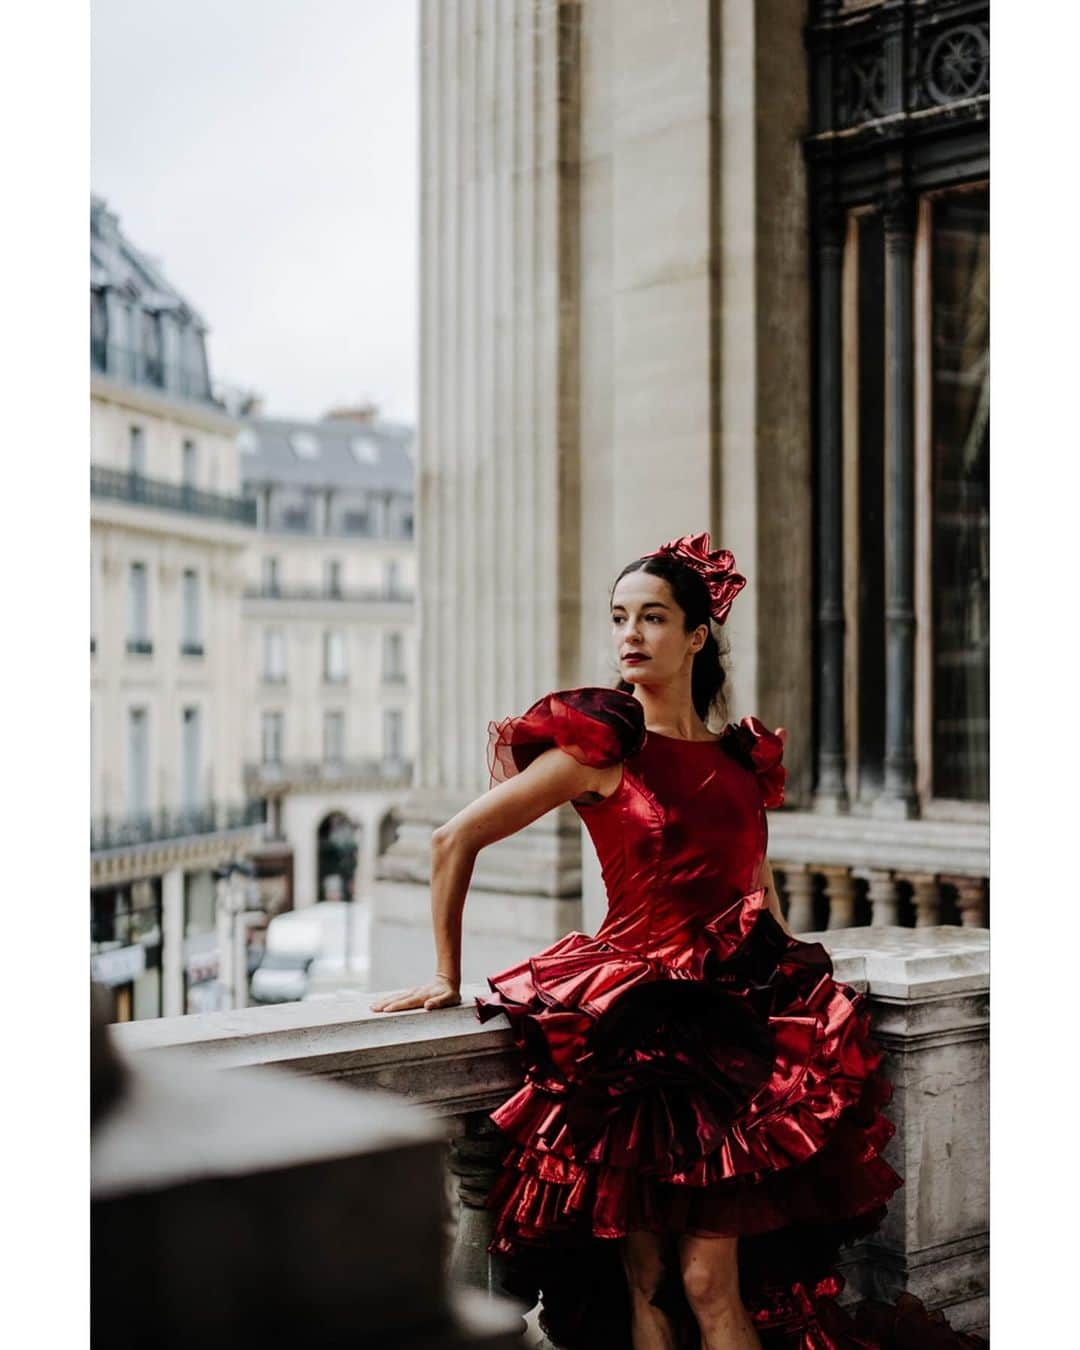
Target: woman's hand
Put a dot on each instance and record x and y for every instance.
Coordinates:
(440, 993)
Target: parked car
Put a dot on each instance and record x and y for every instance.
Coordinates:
(306, 948)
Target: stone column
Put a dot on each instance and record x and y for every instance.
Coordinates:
(497, 456)
(299, 818)
(840, 888)
(663, 309)
(762, 322)
(898, 794)
(614, 349)
(172, 943)
(831, 794)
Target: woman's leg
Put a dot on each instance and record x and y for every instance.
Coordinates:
(710, 1276)
(644, 1257)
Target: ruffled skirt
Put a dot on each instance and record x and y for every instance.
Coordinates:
(733, 1093)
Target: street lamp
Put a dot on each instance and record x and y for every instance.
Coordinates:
(237, 896)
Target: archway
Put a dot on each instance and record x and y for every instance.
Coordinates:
(338, 853)
(388, 831)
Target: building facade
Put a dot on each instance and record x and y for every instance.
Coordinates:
(330, 658)
(168, 534)
(708, 266)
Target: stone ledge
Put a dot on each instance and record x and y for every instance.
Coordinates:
(446, 1060)
(909, 964)
(918, 979)
(938, 847)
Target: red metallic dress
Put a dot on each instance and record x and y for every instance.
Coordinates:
(691, 1068)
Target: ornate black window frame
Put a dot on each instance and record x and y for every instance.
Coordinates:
(900, 107)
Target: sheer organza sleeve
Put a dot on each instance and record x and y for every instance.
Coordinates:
(599, 727)
(762, 751)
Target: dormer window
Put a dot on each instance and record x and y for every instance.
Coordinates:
(364, 450)
(304, 445)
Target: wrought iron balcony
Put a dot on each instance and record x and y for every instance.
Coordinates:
(336, 595)
(151, 371)
(138, 646)
(279, 776)
(192, 648)
(161, 495)
(109, 832)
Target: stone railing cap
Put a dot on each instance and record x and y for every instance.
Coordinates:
(909, 963)
(315, 1022)
(451, 1061)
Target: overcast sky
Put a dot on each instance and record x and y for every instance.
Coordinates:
(265, 151)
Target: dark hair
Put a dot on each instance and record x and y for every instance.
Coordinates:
(708, 676)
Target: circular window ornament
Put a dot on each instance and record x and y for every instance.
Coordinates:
(958, 64)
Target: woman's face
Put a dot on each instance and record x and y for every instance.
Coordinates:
(648, 631)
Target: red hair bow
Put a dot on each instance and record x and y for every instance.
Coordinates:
(716, 568)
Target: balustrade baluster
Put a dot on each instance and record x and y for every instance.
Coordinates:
(884, 901)
(799, 889)
(926, 897)
(840, 889)
(473, 1159)
(970, 900)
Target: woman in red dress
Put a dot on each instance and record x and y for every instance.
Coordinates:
(698, 1130)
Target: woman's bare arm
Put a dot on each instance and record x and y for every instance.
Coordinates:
(550, 780)
(766, 882)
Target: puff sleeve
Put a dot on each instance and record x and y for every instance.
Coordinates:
(599, 727)
(761, 751)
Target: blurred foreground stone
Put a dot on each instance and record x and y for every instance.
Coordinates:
(261, 1209)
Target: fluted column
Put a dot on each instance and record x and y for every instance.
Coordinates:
(831, 792)
(498, 457)
(898, 794)
(497, 447)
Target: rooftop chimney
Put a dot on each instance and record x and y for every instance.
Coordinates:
(362, 412)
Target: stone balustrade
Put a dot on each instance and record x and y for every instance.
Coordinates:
(837, 872)
(928, 992)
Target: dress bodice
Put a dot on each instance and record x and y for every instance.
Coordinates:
(680, 838)
(683, 835)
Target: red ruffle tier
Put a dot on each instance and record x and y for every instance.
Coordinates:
(736, 1094)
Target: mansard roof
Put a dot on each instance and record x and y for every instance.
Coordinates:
(116, 263)
(367, 455)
